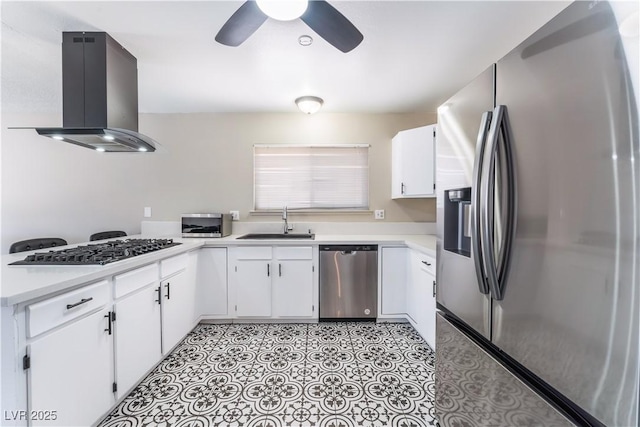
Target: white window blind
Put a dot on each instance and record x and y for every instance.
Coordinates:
(314, 177)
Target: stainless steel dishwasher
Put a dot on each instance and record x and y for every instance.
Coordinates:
(348, 282)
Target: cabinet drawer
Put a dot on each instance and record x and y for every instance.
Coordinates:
(426, 262)
(134, 280)
(172, 265)
(294, 252)
(254, 252)
(48, 314)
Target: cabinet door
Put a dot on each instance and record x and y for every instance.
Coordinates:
(420, 300)
(426, 315)
(253, 288)
(418, 162)
(177, 309)
(412, 287)
(293, 288)
(212, 279)
(430, 325)
(397, 186)
(72, 372)
(394, 281)
(137, 336)
(413, 163)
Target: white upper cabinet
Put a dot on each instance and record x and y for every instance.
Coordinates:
(413, 163)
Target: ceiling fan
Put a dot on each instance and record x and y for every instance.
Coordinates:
(319, 15)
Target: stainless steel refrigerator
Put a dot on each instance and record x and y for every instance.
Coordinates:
(538, 213)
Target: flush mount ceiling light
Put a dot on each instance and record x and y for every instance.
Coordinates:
(309, 104)
(283, 10)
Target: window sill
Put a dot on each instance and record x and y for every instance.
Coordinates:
(278, 212)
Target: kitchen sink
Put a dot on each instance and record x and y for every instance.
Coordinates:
(263, 236)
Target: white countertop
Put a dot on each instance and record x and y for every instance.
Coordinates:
(422, 242)
(22, 283)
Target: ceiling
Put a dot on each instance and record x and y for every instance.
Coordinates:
(415, 54)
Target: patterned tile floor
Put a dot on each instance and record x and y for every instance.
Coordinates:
(273, 375)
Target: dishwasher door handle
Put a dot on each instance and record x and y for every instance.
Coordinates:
(350, 253)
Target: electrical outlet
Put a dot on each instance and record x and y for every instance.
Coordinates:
(235, 215)
(379, 214)
(147, 212)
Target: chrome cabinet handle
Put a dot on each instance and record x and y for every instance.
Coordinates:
(279, 269)
(82, 301)
(168, 286)
(159, 291)
(402, 188)
(268, 270)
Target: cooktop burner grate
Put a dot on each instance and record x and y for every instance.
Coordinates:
(98, 254)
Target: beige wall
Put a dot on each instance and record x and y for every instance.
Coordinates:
(51, 188)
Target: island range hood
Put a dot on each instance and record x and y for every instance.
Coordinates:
(99, 95)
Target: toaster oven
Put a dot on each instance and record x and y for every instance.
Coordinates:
(206, 225)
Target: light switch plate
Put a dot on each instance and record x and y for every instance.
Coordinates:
(235, 215)
(147, 212)
(379, 214)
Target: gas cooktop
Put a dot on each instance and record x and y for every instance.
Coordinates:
(98, 254)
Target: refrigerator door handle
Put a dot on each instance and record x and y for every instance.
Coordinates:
(504, 159)
(476, 204)
(510, 203)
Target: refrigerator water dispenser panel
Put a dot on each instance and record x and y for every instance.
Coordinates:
(457, 221)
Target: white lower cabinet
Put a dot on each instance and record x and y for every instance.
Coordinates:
(393, 281)
(178, 296)
(83, 343)
(253, 288)
(421, 299)
(86, 348)
(137, 327)
(212, 296)
(293, 282)
(408, 288)
(70, 380)
(273, 282)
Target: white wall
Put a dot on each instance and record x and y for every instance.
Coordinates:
(51, 188)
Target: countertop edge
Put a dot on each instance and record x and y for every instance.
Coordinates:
(423, 243)
(101, 272)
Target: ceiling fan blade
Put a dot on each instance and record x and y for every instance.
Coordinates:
(244, 22)
(332, 26)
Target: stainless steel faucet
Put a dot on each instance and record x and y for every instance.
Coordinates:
(284, 218)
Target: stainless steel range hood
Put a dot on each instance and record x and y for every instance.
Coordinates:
(99, 95)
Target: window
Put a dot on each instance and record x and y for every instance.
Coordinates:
(313, 177)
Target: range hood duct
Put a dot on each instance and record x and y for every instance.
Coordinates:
(99, 95)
